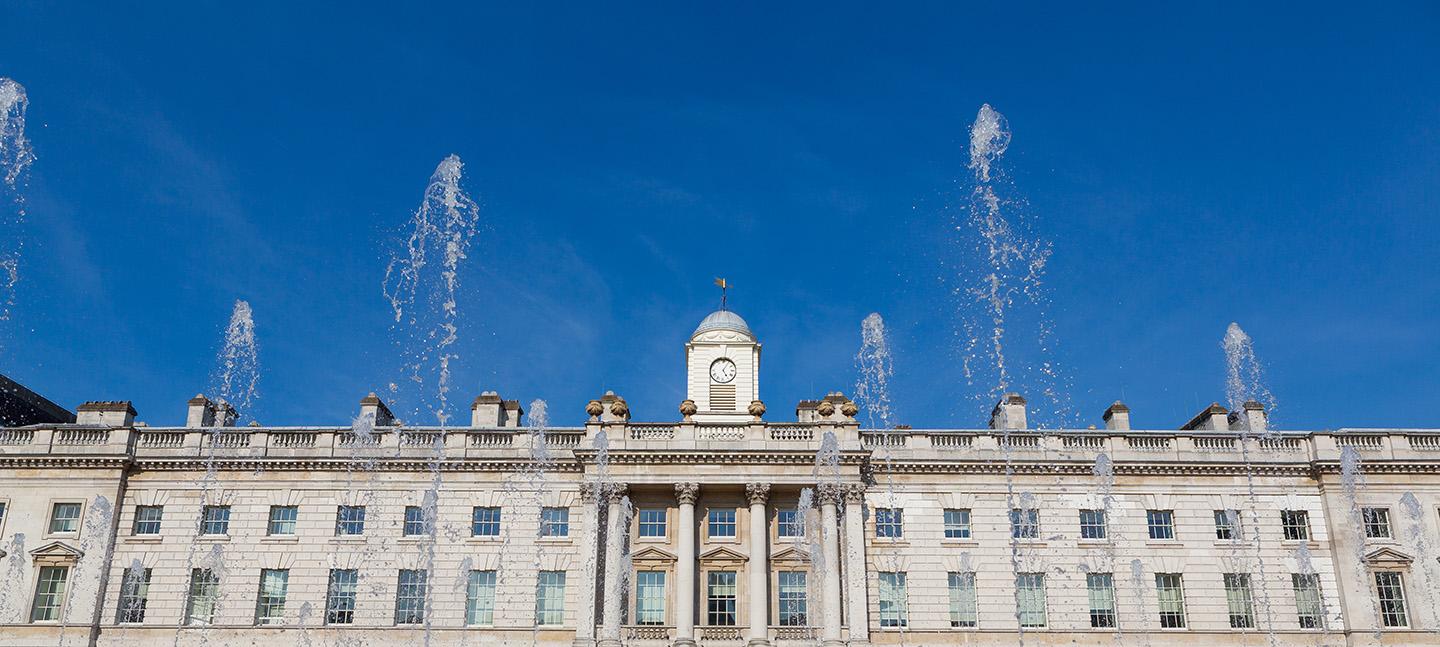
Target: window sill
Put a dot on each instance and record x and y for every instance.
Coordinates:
(1092, 541)
(722, 540)
(484, 539)
(348, 539)
(145, 539)
(652, 540)
(959, 542)
(886, 541)
(213, 538)
(280, 539)
(554, 540)
(1166, 543)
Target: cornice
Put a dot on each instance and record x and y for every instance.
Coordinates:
(65, 461)
(344, 465)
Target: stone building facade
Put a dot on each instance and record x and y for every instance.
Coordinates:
(723, 528)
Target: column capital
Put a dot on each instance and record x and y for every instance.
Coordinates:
(757, 493)
(830, 493)
(687, 493)
(854, 493)
(615, 491)
(588, 490)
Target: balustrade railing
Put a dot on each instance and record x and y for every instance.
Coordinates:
(650, 431)
(1424, 443)
(1214, 444)
(720, 432)
(1083, 442)
(1363, 443)
(1148, 443)
(792, 432)
(951, 441)
(162, 439)
(17, 436)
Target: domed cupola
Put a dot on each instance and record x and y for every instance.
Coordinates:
(722, 368)
(723, 320)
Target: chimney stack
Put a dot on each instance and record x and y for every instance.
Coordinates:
(1253, 418)
(1117, 417)
(372, 408)
(1212, 418)
(489, 410)
(1009, 412)
(199, 412)
(116, 413)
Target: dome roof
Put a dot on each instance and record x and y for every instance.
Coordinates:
(723, 320)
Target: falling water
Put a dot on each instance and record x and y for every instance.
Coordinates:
(421, 288)
(1305, 566)
(15, 158)
(875, 368)
(1137, 587)
(828, 482)
(1419, 540)
(1104, 472)
(809, 513)
(1352, 478)
(11, 609)
(237, 374)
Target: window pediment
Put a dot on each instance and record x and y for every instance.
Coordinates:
(791, 556)
(652, 556)
(56, 553)
(722, 556)
(1388, 557)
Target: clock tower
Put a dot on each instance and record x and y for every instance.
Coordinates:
(722, 368)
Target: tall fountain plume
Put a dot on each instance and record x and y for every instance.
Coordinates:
(1244, 377)
(237, 374)
(421, 281)
(15, 158)
(875, 368)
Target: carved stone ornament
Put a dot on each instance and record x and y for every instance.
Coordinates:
(594, 409)
(687, 493)
(614, 492)
(855, 493)
(587, 491)
(757, 409)
(825, 408)
(688, 408)
(849, 409)
(757, 493)
(620, 409)
(829, 493)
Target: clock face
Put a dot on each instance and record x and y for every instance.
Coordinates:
(722, 370)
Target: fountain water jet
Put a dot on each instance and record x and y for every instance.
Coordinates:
(15, 158)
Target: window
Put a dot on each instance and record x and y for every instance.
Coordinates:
(1390, 587)
(340, 596)
(282, 520)
(349, 520)
(790, 524)
(650, 598)
(1295, 524)
(957, 524)
(270, 603)
(1030, 593)
(215, 520)
(889, 522)
(485, 522)
(1227, 524)
(134, 590)
(720, 596)
(555, 522)
(410, 597)
(721, 523)
(204, 588)
(147, 519)
(792, 598)
(2, 513)
(1101, 589)
(1307, 600)
(1376, 520)
(65, 517)
(1171, 593)
(962, 600)
(1239, 601)
(1092, 524)
(1161, 523)
(50, 592)
(1024, 523)
(550, 598)
(415, 524)
(652, 522)
(480, 598)
(894, 600)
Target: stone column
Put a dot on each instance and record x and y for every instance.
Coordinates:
(758, 494)
(590, 557)
(614, 555)
(830, 495)
(685, 494)
(856, 578)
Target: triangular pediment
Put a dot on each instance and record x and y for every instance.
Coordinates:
(791, 554)
(1388, 557)
(722, 554)
(56, 553)
(651, 555)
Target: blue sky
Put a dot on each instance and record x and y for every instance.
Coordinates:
(1196, 166)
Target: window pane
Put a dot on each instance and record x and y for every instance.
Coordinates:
(134, 590)
(894, 600)
(1391, 590)
(790, 524)
(204, 587)
(215, 520)
(1092, 524)
(1024, 523)
(1295, 524)
(962, 600)
(792, 598)
(147, 519)
(340, 596)
(1161, 523)
(889, 522)
(65, 517)
(720, 598)
(415, 523)
(480, 598)
(350, 520)
(410, 597)
(49, 593)
(1227, 524)
(1030, 592)
(270, 603)
(1101, 589)
(722, 523)
(550, 598)
(1171, 594)
(1307, 600)
(650, 598)
(652, 522)
(485, 522)
(282, 519)
(555, 522)
(1238, 600)
(957, 524)
(1377, 522)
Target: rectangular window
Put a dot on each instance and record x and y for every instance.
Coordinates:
(889, 522)
(894, 600)
(1170, 591)
(1024, 523)
(480, 598)
(652, 522)
(1101, 589)
(1227, 524)
(200, 604)
(49, 593)
(215, 520)
(1030, 592)
(147, 519)
(349, 520)
(962, 600)
(415, 524)
(282, 520)
(1307, 600)
(650, 598)
(134, 591)
(957, 523)
(2, 513)
(550, 598)
(65, 517)
(721, 522)
(1391, 589)
(1092, 524)
(794, 611)
(270, 603)
(1161, 523)
(410, 597)
(1376, 520)
(340, 596)
(1295, 524)
(1239, 600)
(555, 522)
(790, 524)
(720, 598)
(485, 522)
